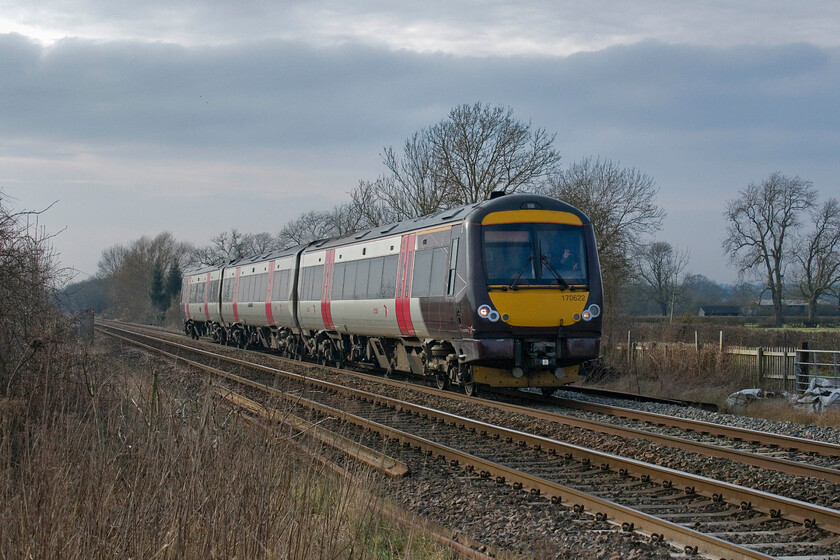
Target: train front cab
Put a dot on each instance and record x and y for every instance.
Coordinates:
(535, 306)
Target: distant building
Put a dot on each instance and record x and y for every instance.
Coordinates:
(795, 306)
(719, 311)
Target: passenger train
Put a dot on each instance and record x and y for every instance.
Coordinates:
(505, 292)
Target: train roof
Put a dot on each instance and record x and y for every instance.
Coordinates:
(291, 251)
(472, 213)
(253, 259)
(200, 270)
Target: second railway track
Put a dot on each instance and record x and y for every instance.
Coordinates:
(768, 524)
(765, 450)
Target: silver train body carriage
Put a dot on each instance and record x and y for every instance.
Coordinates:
(506, 292)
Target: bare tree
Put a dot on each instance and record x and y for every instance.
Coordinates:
(129, 271)
(480, 149)
(621, 202)
(476, 150)
(659, 266)
(817, 255)
(341, 220)
(366, 203)
(259, 243)
(760, 222)
(309, 226)
(223, 248)
(415, 186)
(29, 329)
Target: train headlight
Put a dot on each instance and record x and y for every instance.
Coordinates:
(488, 313)
(593, 311)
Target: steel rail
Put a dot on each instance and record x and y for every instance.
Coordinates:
(775, 506)
(766, 438)
(659, 529)
(637, 397)
(778, 464)
(462, 545)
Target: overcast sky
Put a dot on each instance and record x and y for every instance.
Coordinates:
(197, 117)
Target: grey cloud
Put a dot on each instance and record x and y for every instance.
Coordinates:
(277, 95)
(538, 25)
(284, 120)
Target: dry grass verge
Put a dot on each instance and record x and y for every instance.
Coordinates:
(676, 371)
(133, 460)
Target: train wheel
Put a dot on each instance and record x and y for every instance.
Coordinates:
(548, 391)
(471, 389)
(465, 376)
(442, 381)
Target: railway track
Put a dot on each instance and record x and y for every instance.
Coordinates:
(766, 450)
(607, 393)
(763, 450)
(666, 504)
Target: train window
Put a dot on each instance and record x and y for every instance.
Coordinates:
(534, 254)
(349, 280)
(374, 285)
(508, 254)
(362, 271)
(253, 288)
(440, 260)
(260, 281)
(280, 290)
(422, 273)
(288, 281)
(317, 282)
(241, 290)
(337, 281)
(305, 284)
(389, 277)
(562, 252)
(453, 263)
(277, 285)
(262, 286)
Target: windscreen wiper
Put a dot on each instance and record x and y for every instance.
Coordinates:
(512, 285)
(560, 280)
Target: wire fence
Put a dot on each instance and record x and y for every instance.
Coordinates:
(771, 368)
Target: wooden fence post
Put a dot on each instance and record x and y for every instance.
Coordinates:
(721, 341)
(759, 353)
(629, 351)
